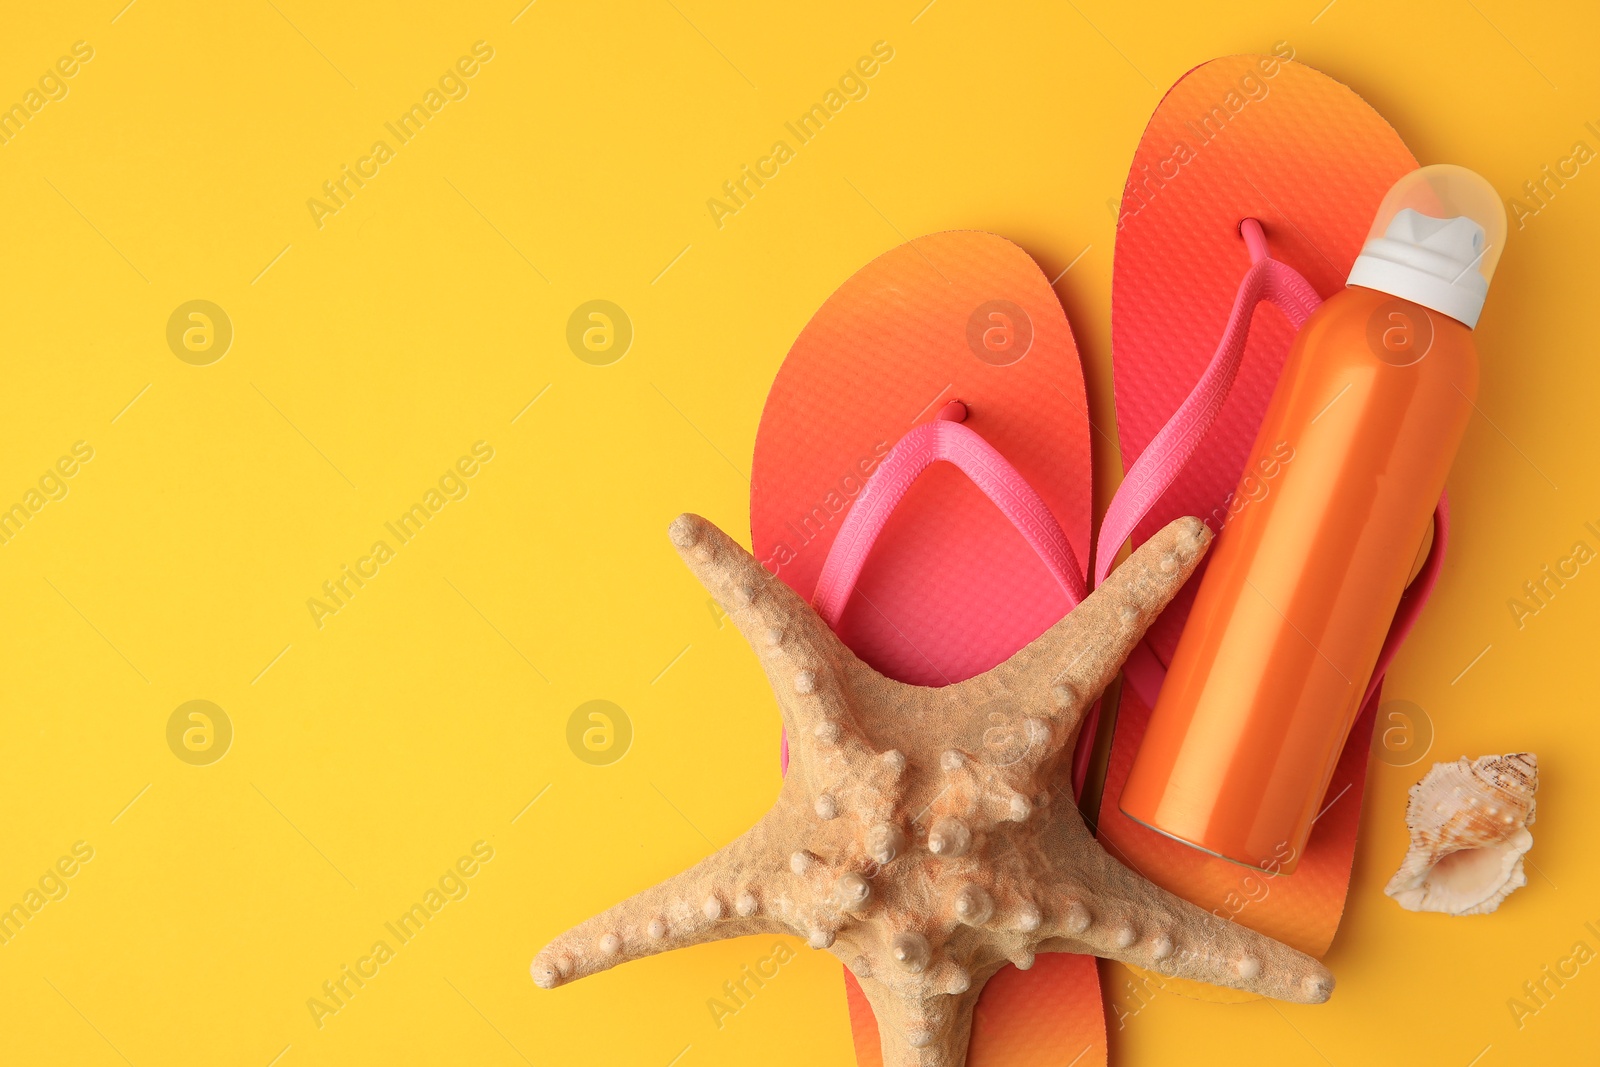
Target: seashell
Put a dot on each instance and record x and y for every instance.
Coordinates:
(1469, 830)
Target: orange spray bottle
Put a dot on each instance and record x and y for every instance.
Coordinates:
(1302, 584)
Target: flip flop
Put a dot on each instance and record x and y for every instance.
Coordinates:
(951, 348)
(1240, 138)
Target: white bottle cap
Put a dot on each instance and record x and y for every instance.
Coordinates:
(1435, 242)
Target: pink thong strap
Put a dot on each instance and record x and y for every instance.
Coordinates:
(942, 440)
(1159, 465)
(1164, 459)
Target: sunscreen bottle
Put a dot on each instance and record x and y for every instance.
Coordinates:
(1303, 582)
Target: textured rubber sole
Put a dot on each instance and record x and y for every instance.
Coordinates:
(1311, 161)
(951, 588)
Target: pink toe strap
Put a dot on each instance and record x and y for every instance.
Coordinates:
(1160, 464)
(925, 445)
(1163, 460)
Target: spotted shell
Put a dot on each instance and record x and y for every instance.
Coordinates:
(1469, 831)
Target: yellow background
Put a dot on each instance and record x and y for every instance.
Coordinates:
(425, 316)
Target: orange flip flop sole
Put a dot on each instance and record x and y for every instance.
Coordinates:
(951, 588)
(1277, 141)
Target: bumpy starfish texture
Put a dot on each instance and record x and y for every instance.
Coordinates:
(918, 835)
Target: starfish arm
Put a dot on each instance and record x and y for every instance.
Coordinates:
(1069, 665)
(813, 675)
(931, 1032)
(1114, 913)
(721, 896)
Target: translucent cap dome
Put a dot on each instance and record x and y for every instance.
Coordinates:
(1436, 240)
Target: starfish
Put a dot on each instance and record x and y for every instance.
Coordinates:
(916, 835)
